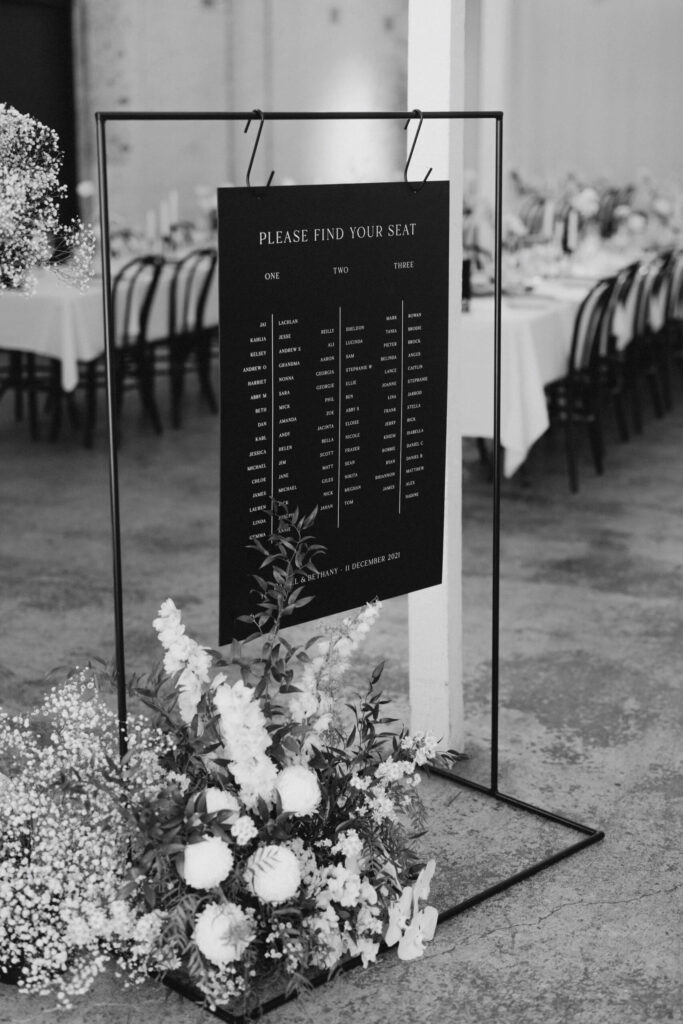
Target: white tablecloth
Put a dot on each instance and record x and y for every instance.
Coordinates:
(61, 322)
(58, 321)
(536, 333)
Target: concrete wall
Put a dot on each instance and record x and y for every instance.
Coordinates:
(236, 55)
(587, 85)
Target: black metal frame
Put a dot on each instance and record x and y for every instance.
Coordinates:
(590, 835)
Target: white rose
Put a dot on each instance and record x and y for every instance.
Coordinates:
(222, 932)
(219, 800)
(207, 863)
(273, 874)
(299, 790)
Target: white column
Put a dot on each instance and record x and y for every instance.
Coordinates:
(436, 53)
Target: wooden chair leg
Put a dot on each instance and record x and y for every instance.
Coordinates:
(145, 368)
(178, 356)
(203, 352)
(90, 417)
(634, 394)
(620, 416)
(17, 383)
(595, 433)
(597, 451)
(55, 393)
(31, 390)
(655, 393)
(665, 376)
(571, 454)
(119, 375)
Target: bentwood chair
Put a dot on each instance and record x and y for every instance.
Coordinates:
(576, 398)
(660, 305)
(133, 290)
(618, 377)
(645, 351)
(189, 334)
(674, 313)
(664, 300)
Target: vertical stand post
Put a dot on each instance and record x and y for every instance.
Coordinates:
(112, 416)
(495, 587)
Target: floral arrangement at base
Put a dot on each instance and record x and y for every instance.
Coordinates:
(260, 830)
(31, 235)
(64, 842)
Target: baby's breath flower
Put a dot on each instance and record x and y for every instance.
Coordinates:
(31, 235)
(64, 840)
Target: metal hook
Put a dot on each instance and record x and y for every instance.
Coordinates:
(253, 154)
(414, 188)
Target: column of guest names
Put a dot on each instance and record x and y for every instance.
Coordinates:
(286, 364)
(258, 382)
(415, 380)
(346, 400)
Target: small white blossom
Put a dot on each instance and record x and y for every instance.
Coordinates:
(243, 830)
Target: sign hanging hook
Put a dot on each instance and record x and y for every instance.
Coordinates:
(259, 192)
(414, 188)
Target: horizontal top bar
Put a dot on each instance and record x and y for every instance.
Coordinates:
(279, 115)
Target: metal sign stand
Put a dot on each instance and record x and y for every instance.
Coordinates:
(590, 835)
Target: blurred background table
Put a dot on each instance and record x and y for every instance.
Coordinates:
(536, 333)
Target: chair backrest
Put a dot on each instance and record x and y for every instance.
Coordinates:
(661, 289)
(674, 309)
(133, 292)
(645, 283)
(620, 314)
(192, 279)
(589, 323)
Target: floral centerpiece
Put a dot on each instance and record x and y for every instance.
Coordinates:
(260, 830)
(31, 235)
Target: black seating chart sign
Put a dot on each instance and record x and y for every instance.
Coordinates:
(334, 341)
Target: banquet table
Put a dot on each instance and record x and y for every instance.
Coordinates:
(536, 334)
(57, 321)
(62, 322)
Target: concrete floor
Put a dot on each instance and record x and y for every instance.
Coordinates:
(591, 713)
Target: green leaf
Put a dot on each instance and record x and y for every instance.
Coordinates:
(310, 519)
